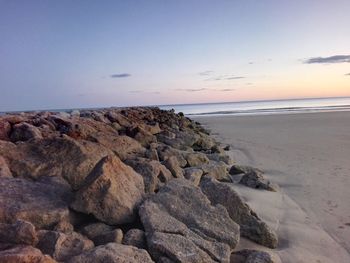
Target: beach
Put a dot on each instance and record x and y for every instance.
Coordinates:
(307, 155)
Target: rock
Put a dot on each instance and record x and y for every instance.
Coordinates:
(135, 237)
(217, 170)
(5, 129)
(111, 192)
(95, 229)
(64, 226)
(35, 159)
(119, 118)
(153, 172)
(123, 146)
(193, 174)
(115, 236)
(62, 246)
(252, 227)
(21, 232)
(24, 132)
(41, 204)
(253, 256)
(113, 253)
(101, 233)
(152, 154)
(227, 148)
(220, 157)
(196, 159)
(4, 169)
(174, 166)
(183, 226)
(254, 179)
(153, 129)
(165, 152)
(204, 143)
(24, 254)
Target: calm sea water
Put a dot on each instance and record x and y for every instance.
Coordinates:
(264, 107)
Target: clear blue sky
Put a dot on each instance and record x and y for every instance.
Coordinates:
(68, 54)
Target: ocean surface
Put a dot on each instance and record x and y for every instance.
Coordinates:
(265, 107)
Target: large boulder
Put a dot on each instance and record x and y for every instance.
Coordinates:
(183, 226)
(21, 232)
(24, 254)
(252, 227)
(196, 159)
(111, 192)
(135, 237)
(42, 204)
(113, 253)
(217, 170)
(60, 157)
(153, 172)
(174, 167)
(62, 246)
(24, 132)
(253, 256)
(101, 233)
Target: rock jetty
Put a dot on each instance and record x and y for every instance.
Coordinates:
(123, 185)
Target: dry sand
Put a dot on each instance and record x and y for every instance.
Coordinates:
(308, 155)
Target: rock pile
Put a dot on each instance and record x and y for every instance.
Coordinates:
(122, 185)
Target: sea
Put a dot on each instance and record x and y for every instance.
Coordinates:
(263, 107)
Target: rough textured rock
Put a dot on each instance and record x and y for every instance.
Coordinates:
(173, 165)
(251, 225)
(183, 226)
(135, 237)
(220, 157)
(193, 174)
(62, 246)
(95, 229)
(196, 159)
(153, 172)
(64, 226)
(254, 178)
(21, 232)
(4, 169)
(45, 158)
(113, 253)
(44, 205)
(24, 254)
(165, 152)
(115, 236)
(24, 132)
(253, 256)
(217, 170)
(5, 129)
(111, 192)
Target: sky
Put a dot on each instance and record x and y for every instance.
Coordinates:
(77, 54)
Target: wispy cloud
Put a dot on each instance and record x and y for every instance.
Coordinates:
(347, 74)
(206, 73)
(135, 91)
(192, 90)
(326, 60)
(121, 75)
(225, 90)
(225, 77)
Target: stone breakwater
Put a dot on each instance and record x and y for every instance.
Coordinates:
(123, 185)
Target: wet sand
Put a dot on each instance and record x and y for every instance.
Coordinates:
(308, 155)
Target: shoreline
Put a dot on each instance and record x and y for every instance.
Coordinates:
(298, 152)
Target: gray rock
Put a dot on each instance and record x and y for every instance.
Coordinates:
(21, 232)
(193, 174)
(111, 192)
(24, 132)
(173, 165)
(252, 227)
(253, 256)
(255, 179)
(153, 172)
(43, 205)
(113, 253)
(4, 169)
(196, 159)
(165, 152)
(217, 170)
(183, 226)
(62, 246)
(135, 237)
(95, 229)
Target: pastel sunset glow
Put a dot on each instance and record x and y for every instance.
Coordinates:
(71, 54)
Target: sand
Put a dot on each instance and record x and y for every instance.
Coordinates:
(308, 155)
